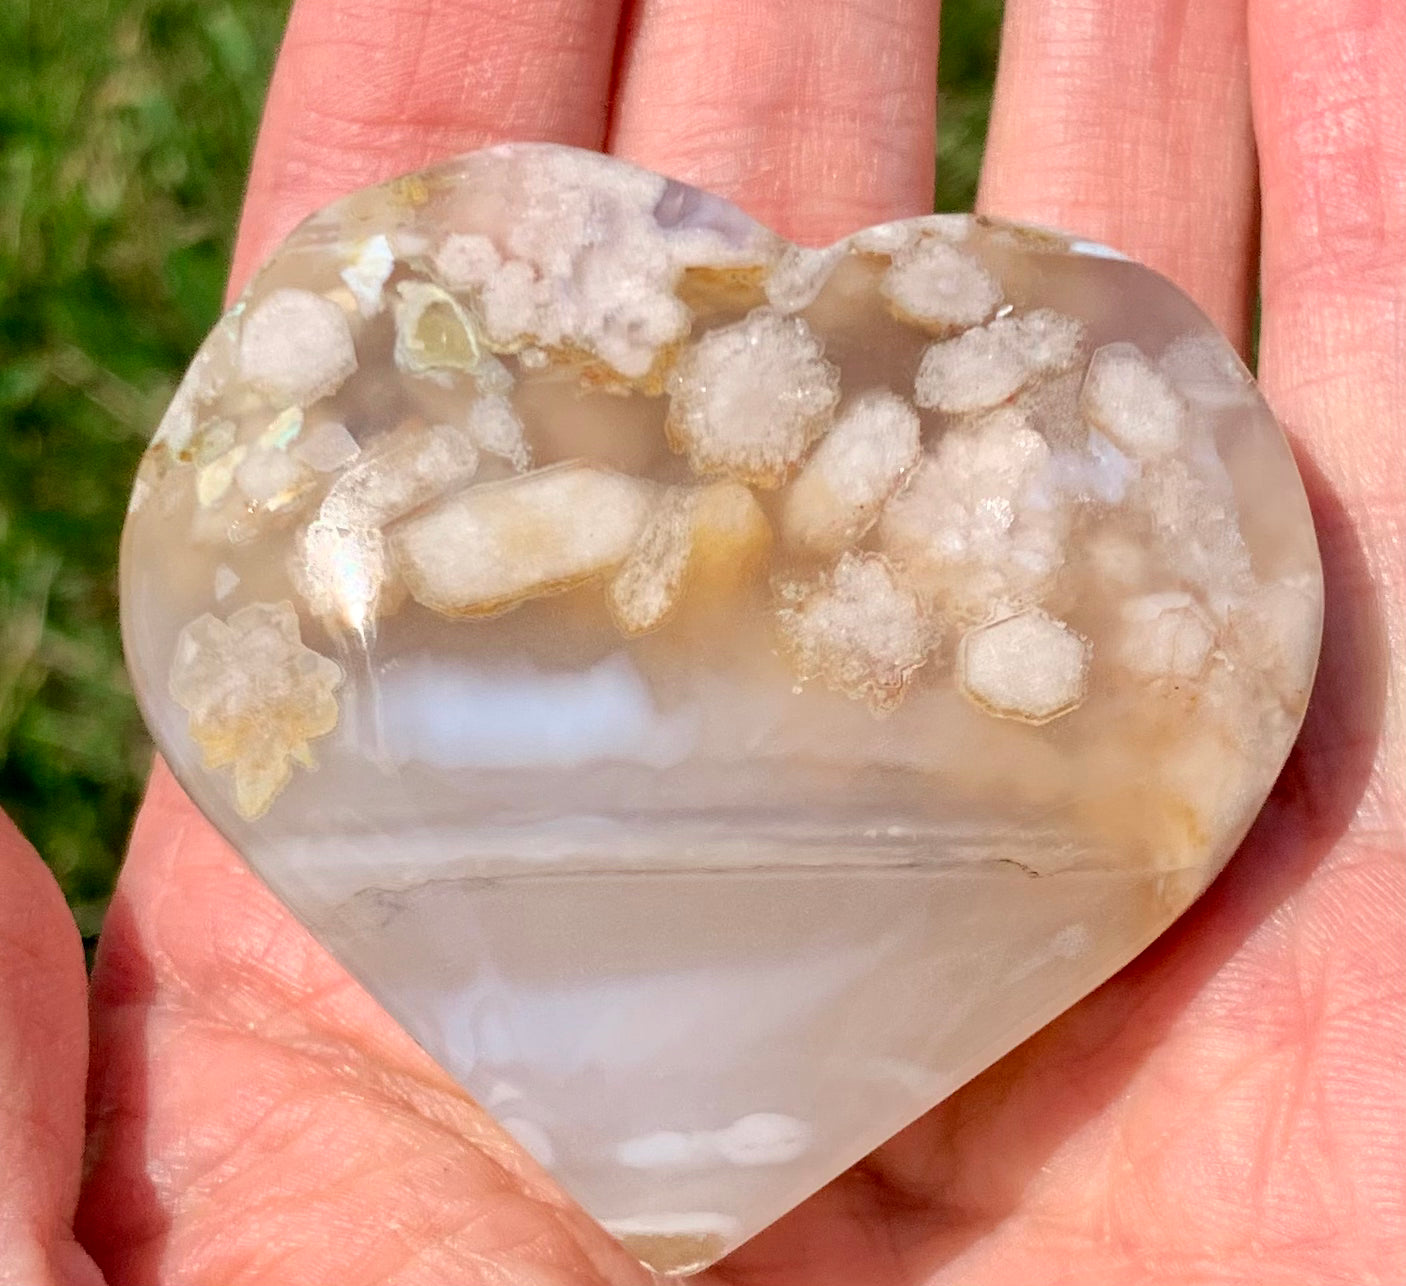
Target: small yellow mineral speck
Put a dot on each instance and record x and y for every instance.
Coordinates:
(412, 190)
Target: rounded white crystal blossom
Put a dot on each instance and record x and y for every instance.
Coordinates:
(856, 467)
(934, 283)
(296, 345)
(859, 628)
(1028, 666)
(749, 399)
(1133, 403)
(256, 696)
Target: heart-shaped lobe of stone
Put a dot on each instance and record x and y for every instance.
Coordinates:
(718, 696)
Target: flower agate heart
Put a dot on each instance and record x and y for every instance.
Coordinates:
(717, 695)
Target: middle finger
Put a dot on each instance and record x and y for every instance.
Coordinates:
(817, 118)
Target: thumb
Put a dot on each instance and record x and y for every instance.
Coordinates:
(43, 1064)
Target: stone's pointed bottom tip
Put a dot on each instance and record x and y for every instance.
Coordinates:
(674, 1256)
(717, 694)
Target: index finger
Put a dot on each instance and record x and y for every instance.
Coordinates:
(368, 89)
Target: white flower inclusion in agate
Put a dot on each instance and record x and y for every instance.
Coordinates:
(717, 695)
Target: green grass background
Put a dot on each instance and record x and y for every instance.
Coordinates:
(125, 132)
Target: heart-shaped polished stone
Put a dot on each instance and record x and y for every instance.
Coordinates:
(718, 695)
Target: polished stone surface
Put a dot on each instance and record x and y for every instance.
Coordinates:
(718, 695)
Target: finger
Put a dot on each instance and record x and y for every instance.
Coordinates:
(816, 118)
(43, 1062)
(1330, 114)
(1129, 123)
(367, 89)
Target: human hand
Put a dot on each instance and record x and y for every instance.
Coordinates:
(1229, 1109)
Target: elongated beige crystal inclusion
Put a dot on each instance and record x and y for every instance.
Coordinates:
(719, 695)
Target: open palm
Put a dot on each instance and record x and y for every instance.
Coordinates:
(1230, 1109)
